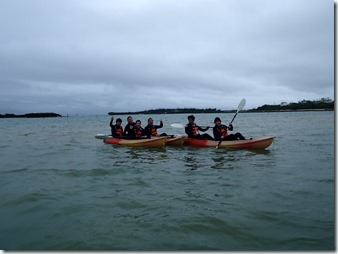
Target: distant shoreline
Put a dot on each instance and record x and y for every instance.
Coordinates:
(44, 115)
(324, 104)
(221, 111)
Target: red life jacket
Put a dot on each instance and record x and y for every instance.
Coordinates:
(195, 130)
(223, 130)
(138, 132)
(118, 131)
(153, 131)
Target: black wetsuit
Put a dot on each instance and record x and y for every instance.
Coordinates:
(192, 131)
(150, 130)
(221, 130)
(129, 131)
(116, 130)
(138, 132)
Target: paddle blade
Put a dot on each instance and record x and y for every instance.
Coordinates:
(101, 136)
(177, 125)
(239, 108)
(241, 105)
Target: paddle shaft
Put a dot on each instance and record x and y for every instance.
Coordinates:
(234, 117)
(178, 125)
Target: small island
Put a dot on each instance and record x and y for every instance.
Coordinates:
(30, 115)
(323, 104)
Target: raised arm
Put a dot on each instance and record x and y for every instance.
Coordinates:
(111, 122)
(159, 126)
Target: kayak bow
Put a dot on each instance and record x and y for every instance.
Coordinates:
(175, 141)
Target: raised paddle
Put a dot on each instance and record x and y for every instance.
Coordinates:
(239, 108)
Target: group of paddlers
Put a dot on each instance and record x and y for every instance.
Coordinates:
(134, 130)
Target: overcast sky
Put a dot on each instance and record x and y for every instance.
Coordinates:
(92, 57)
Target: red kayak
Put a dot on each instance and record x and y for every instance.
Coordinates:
(255, 143)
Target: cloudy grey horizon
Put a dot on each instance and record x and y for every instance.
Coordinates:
(94, 57)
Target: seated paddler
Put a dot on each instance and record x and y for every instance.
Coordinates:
(192, 130)
(129, 132)
(151, 129)
(116, 129)
(139, 131)
(221, 131)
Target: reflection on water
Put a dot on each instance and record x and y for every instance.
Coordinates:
(149, 155)
(220, 162)
(191, 162)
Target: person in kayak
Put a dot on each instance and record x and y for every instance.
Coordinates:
(191, 129)
(151, 130)
(116, 129)
(221, 131)
(138, 130)
(129, 128)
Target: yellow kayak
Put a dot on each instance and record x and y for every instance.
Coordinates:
(146, 142)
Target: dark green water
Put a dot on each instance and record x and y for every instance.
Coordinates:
(61, 189)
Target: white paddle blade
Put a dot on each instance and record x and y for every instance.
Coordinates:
(101, 136)
(177, 125)
(241, 105)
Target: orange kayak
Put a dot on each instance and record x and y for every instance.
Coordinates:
(175, 141)
(255, 143)
(147, 142)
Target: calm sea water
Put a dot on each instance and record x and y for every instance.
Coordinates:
(62, 189)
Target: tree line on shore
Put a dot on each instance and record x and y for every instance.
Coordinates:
(321, 104)
(173, 111)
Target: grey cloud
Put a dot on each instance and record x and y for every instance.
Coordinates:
(99, 56)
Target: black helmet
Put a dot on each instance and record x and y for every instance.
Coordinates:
(192, 117)
(217, 119)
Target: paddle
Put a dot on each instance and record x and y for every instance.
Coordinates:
(101, 136)
(240, 107)
(178, 125)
